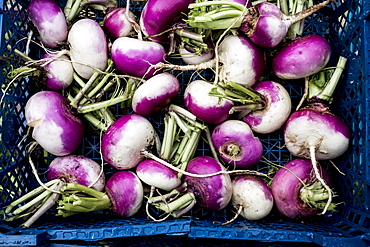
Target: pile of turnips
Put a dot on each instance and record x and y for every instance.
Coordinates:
(117, 78)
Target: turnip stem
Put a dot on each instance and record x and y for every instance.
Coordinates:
(102, 104)
(177, 204)
(29, 195)
(50, 202)
(83, 90)
(328, 91)
(100, 84)
(320, 179)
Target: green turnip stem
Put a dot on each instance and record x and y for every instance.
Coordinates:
(179, 110)
(203, 5)
(94, 121)
(328, 91)
(29, 195)
(176, 204)
(238, 93)
(83, 90)
(169, 137)
(102, 104)
(90, 200)
(322, 84)
(100, 84)
(49, 202)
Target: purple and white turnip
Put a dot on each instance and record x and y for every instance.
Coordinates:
(155, 93)
(236, 144)
(264, 24)
(124, 140)
(55, 127)
(301, 57)
(50, 22)
(252, 197)
(297, 191)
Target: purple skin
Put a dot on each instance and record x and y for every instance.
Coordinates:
(316, 127)
(116, 24)
(88, 46)
(207, 108)
(286, 188)
(236, 144)
(155, 93)
(188, 56)
(50, 22)
(59, 72)
(134, 57)
(212, 193)
(243, 62)
(155, 174)
(56, 129)
(158, 15)
(125, 139)
(276, 112)
(267, 26)
(253, 195)
(126, 193)
(301, 57)
(77, 169)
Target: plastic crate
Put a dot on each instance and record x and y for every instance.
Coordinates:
(344, 23)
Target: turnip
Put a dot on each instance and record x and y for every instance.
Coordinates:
(239, 61)
(157, 175)
(264, 23)
(301, 57)
(135, 57)
(158, 15)
(59, 72)
(236, 144)
(207, 108)
(313, 132)
(116, 24)
(191, 56)
(88, 47)
(125, 139)
(54, 70)
(276, 110)
(212, 193)
(50, 22)
(77, 169)
(297, 192)
(72, 170)
(123, 196)
(155, 93)
(55, 128)
(251, 197)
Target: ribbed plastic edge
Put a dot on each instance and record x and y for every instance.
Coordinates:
(367, 73)
(29, 238)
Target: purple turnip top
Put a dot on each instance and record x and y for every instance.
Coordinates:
(50, 22)
(56, 129)
(236, 144)
(207, 108)
(77, 169)
(213, 193)
(126, 193)
(125, 139)
(276, 112)
(301, 57)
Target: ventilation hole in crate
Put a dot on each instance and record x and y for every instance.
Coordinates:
(366, 223)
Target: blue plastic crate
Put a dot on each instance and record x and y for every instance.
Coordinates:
(345, 23)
